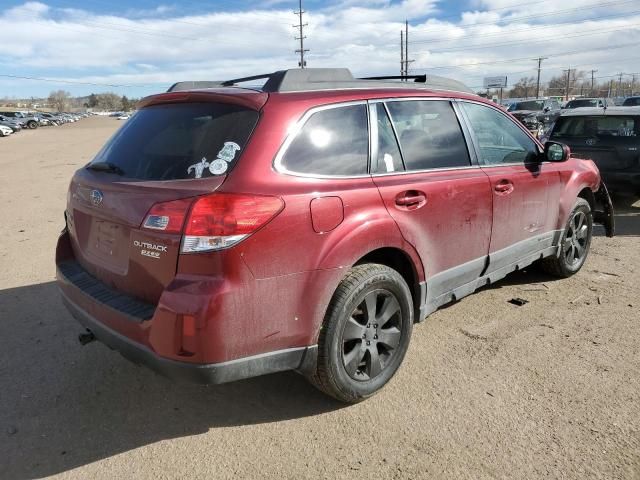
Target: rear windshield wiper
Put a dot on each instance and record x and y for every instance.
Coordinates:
(106, 167)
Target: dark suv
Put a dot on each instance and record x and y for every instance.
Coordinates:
(227, 232)
(610, 137)
(535, 114)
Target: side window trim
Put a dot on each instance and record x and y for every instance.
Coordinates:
(467, 133)
(299, 125)
(374, 139)
(476, 143)
(395, 135)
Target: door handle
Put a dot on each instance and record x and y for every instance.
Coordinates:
(411, 199)
(503, 187)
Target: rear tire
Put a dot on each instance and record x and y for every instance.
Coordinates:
(365, 333)
(574, 244)
(32, 124)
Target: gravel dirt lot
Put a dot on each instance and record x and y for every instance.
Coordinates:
(488, 389)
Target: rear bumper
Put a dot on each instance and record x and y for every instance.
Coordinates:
(225, 349)
(214, 373)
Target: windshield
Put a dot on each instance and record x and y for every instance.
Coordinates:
(530, 105)
(180, 141)
(582, 103)
(600, 126)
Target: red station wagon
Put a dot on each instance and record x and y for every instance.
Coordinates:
(227, 232)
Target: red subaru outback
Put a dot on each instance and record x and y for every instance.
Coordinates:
(227, 232)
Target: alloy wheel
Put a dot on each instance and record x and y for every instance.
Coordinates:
(371, 335)
(575, 243)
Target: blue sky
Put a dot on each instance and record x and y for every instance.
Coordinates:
(109, 45)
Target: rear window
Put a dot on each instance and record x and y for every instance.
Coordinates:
(631, 102)
(180, 141)
(600, 126)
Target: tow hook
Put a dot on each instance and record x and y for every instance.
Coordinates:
(87, 337)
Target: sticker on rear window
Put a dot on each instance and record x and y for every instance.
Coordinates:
(199, 167)
(218, 167)
(228, 151)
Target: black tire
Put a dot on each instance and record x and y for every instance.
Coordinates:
(365, 333)
(32, 124)
(574, 244)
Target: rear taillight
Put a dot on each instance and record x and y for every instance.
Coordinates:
(214, 222)
(168, 216)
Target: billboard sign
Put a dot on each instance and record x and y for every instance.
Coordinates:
(495, 82)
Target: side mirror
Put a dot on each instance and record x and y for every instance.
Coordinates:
(556, 152)
(546, 109)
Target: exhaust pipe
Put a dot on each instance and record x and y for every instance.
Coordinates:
(87, 337)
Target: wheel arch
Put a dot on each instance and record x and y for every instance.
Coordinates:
(587, 194)
(401, 262)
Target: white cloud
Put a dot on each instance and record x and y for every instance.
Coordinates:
(160, 46)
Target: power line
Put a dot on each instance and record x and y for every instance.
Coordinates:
(541, 15)
(495, 62)
(528, 42)
(526, 30)
(73, 82)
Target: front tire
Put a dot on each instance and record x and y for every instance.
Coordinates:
(365, 333)
(32, 124)
(574, 244)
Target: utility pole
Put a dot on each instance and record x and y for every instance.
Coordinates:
(610, 88)
(302, 63)
(406, 48)
(619, 83)
(567, 84)
(401, 53)
(592, 80)
(633, 83)
(539, 59)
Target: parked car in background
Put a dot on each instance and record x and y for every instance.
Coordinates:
(585, 102)
(306, 225)
(610, 137)
(535, 114)
(29, 121)
(631, 102)
(12, 123)
(53, 118)
(5, 131)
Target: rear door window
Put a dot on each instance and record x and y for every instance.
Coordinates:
(429, 133)
(597, 126)
(333, 141)
(180, 141)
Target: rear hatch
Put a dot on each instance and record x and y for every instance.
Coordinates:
(611, 141)
(175, 147)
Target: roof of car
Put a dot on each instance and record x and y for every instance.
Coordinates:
(323, 79)
(577, 112)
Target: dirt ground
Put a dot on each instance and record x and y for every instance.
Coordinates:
(488, 389)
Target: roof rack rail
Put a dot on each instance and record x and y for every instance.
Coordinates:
(298, 80)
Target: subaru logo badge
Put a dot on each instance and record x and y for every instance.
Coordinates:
(591, 141)
(96, 197)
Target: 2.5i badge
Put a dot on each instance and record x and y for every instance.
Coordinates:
(150, 250)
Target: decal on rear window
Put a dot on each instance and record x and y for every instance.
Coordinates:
(218, 167)
(228, 152)
(199, 167)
